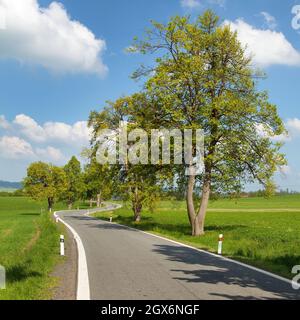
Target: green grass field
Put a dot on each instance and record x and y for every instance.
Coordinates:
(28, 249)
(261, 232)
(264, 233)
(7, 190)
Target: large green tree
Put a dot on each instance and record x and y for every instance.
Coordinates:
(45, 181)
(204, 79)
(75, 184)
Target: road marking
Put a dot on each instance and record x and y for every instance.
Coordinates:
(83, 288)
(221, 257)
(83, 284)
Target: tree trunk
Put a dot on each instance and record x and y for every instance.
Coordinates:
(190, 201)
(197, 220)
(50, 204)
(136, 206)
(137, 214)
(196, 227)
(99, 200)
(203, 208)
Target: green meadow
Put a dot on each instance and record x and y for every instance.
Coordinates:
(28, 249)
(261, 232)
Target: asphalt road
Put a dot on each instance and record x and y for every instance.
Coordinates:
(127, 264)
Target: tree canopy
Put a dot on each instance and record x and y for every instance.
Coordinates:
(75, 184)
(204, 79)
(45, 181)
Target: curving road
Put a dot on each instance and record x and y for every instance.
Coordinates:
(124, 263)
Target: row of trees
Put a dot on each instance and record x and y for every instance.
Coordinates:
(202, 79)
(69, 183)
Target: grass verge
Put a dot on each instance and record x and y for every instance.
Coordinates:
(29, 249)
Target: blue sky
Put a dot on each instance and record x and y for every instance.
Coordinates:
(60, 61)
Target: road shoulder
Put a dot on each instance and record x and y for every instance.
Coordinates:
(66, 271)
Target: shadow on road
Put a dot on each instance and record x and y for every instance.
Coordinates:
(104, 225)
(202, 268)
(221, 271)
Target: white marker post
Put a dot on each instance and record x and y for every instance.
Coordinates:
(2, 278)
(110, 219)
(221, 238)
(62, 245)
(56, 220)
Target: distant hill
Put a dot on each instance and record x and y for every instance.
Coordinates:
(10, 185)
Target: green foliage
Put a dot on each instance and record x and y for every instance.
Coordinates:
(140, 187)
(98, 180)
(203, 79)
(75, 184)
(136, 183)
(45, 181)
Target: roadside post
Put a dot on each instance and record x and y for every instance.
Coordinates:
(62, 245)
(221, 238)
(110, 219)
(2, 278)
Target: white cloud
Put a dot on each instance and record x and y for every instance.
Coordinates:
(285, 170)
(4, 124)
(261, 130)
(50, 154)
(293, 126)
(191, 4)
(25, 138)
(267, 47)
(282, 138)
(12, 147)
(269, 20)
(15, 148)
(59, 131)
(50, 38)
(30, 128)
(78, 133)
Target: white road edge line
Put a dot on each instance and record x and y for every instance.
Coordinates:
(83, 284)
(206, 252)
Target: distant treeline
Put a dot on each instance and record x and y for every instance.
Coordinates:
(261, 193)
(178, 195)
(17, 193)
(175, 195)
